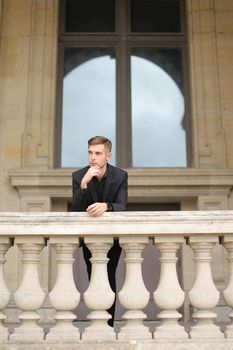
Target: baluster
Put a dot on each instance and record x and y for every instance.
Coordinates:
(204, 296)
(228, 291)
(169, 296)
(64, 296)
(4, 292)
(99, 295)
(134, 296)
(29, 297)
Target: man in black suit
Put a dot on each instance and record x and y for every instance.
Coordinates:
(97, 188)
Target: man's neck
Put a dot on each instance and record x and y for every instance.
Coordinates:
(103, 172)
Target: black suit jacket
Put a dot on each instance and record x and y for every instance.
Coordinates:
(115, 190)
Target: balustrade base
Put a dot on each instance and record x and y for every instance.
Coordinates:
(105, 333)
(27, 334)
(99, 329)
(4, 334)
(134, 327)
(63, 331)
(170, 330)
(169, 326)
(128, 332)
(229, 328)
(229, 331)
(208, 331)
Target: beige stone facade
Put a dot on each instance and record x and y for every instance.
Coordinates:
(28, 79)
(28, 59)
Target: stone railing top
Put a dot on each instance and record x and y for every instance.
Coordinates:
(116, 224)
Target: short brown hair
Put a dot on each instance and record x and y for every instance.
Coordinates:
(101, 140)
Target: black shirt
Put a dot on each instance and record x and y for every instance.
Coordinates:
(99, 187)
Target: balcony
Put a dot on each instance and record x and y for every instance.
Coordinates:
(168, 232)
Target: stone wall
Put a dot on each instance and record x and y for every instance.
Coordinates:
(210, 43)
(28, 53)
(27, 95)
(28, 56)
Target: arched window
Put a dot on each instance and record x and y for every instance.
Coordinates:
(123, 75)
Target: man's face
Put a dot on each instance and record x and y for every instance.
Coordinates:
(98, 156)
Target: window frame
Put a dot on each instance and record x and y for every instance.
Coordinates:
(122, 41)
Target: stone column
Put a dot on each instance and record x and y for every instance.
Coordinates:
(134, 296)
(204, 296)
(4, 292)
(209, 139)
(29, 297)
(169, 296)
(228, 291)
(37, 149)
(64, 296)
(99, 296)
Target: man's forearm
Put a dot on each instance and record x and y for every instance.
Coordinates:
(80, 200)
(118, 206)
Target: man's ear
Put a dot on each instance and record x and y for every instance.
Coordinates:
(109, 155)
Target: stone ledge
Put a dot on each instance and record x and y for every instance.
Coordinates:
(166, 176)
(188, 344)
(144, 184)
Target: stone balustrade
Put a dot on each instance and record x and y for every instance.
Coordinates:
(168, 231)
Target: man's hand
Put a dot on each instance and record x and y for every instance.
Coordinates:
(97, 209)
(92, 172)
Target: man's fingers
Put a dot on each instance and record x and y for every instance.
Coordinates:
(96, 209)
(90, 207)
(94, 212)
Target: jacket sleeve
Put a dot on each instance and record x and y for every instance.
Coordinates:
(120, 202)
(81, 197)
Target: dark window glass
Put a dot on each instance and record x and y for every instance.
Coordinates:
(155, 16)
(89, 16)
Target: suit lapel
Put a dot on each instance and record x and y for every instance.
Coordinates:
(108, 182)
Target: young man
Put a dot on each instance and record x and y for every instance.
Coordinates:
(97, 188)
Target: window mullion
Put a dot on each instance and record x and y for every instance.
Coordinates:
(123, 109)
